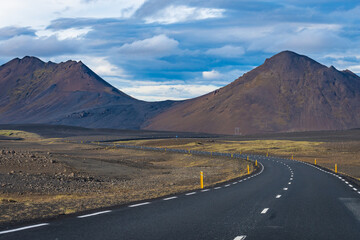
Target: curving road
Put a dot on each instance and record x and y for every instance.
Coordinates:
(286, 200)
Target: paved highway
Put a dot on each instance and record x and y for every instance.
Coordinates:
(286, 200)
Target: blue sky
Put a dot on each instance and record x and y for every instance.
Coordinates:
(171, 49)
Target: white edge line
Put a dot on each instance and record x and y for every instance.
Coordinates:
(242, 237)
(264, 210)
(192, 193)
(278, 196)
(169, 198)
(139, 204)
(24, 228)
(93, 214)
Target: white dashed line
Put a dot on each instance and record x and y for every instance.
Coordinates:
(242, 237)
(192, 193)
(354, 189)
(264, 211)
(350, 185)
(169, 198)
(227, 185)
(289, 183)
(93, 214)
(235, 183)
(217, 188)
(24, 228)
(291, 178)
(285, 188)
(139, 204)
(278, 196)
(205, 190)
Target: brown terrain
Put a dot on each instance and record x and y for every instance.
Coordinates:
(45, 177)
(44, 173)
(32, 91)
(288, 93)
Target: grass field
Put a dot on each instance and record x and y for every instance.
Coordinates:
(345, 154)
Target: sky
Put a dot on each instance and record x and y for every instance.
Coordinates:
(157, 50)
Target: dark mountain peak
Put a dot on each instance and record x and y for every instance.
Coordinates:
(292, 60)
(347, 71)
(30, 59)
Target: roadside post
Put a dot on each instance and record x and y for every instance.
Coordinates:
(201, 180)
(335, 168)
(248, 169)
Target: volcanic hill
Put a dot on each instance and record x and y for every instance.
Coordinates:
(69, 93)
(289, 92)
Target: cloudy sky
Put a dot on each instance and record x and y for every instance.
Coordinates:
(178, 49)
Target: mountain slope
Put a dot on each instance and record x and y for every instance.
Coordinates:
(32, 91)
(289, 92)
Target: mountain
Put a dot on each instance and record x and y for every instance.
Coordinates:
(289, 92)
(69, 93)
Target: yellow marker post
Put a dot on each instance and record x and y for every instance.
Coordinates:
(247, 158)
(165, 149)
(335, 168)
(201, 180)
(315, 161)
(248, 169)
(292, 157)
(232, 155)
(255, 162)
(240, 152)
(267, 154)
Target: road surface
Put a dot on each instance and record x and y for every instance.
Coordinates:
(286, 200)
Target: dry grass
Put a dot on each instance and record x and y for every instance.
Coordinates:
(125, 176)
(345, 154)
(20, 134)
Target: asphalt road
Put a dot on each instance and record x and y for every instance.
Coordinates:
(286, 200)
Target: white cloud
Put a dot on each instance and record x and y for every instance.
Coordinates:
(300, 37)
(227, 51)
(224, 77)
(161, 92)
(211, 75)
(157, 46)
(39, 13)
(70, 33)
(44, 46)
(182, 13)
(354, 68)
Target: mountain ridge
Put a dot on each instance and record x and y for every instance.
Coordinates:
(288, 92)
(32, 91)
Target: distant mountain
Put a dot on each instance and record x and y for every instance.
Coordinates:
(69, 93)
(289, 92)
